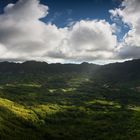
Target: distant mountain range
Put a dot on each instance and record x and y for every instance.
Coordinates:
(43, 67)
(125, 72)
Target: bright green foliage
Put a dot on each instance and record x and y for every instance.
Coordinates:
(68, 106)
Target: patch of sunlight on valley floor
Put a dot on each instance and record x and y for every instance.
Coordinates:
(18, 110)
(103, 102)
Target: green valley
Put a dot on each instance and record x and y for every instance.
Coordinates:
(74, 102)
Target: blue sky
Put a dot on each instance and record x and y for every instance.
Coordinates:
(69, 30)
(62, 12)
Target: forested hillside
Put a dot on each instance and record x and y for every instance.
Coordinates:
(40, 101)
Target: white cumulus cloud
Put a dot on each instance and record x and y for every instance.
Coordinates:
(23, 36)
(129, 13)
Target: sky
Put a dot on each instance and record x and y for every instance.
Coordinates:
(62, 11)
(98, 31)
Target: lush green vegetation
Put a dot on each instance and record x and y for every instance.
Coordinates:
(68, 105)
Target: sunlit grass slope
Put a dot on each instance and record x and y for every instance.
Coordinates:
(67, 107)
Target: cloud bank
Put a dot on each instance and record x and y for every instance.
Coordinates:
(129, 13)
(23, 36)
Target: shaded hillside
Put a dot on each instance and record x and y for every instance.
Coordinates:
(119, 73)
(43, 67)
(40, 101)
(32, 71)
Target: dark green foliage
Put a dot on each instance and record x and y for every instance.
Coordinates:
(40, 101)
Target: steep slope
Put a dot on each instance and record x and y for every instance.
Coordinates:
(119, 73)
